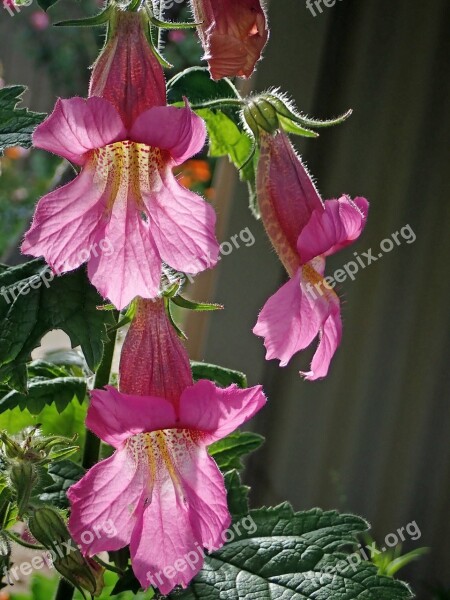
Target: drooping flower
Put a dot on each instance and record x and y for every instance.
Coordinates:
(125, 214)
(233, 34)
(161, 490)
(303, 230)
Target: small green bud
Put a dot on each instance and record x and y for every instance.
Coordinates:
(23, 477)
(48, 527)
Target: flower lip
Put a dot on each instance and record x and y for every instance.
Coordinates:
(77, 126)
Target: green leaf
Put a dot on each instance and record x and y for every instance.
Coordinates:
(281, 554)
(41, 392)
(227, 138)
(34, 302)
(220, 375)
(237, 495)
(196, 306)
(64, 474)
(16, 124)
(228, 451)
(196, 84)
(100, 19)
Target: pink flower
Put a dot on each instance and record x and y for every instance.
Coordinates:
(303, 231)
(233, 34)
(125, 214)
(161, 490)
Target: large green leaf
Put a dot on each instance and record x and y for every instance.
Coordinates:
(16, 124)
(297, 556)
(32, 304)
(228, 451)
(41, 392)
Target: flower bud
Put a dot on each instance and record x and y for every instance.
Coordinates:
(233, 34)
(154, 361)
(48, 527)
(127, 72)
(24, 477)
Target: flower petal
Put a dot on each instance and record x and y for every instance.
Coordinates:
(114, 417)
(218, 411)
(132, 266)
(329, 230)
(178, 130)
(288, 321)
(182, 225)
(104, 502)
(77, 126)
(185, 516)
(64, 224)
(330, 338)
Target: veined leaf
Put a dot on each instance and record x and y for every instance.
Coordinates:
(16, 124)
(282, 555)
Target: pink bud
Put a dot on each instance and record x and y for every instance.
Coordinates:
(233, 34)
(127, 73)
(154, 361)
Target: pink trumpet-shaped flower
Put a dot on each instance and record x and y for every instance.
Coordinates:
(303, 230)
(161, 490)
(125, 214)
(233, 34)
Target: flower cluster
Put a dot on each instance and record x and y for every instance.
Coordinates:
(160, 488)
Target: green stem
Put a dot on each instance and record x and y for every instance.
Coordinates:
(92, 442)
(91, 453)
(220, 102)
(108, 566)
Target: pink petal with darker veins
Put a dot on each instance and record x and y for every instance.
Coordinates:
(295, 315)
(218, 411)
(133, 265)
(77, 126)
(178, 130)
(182, 226)
(107, 496)
(185, 515)
(114, 417)
(332, 229)
(65, 222)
